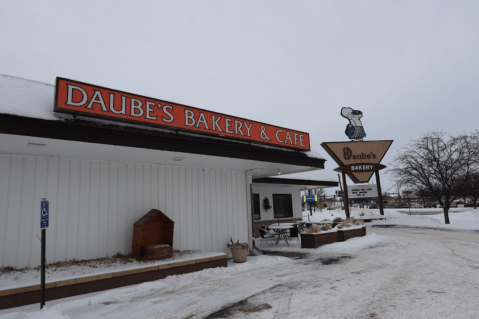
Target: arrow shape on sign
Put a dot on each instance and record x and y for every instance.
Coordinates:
(349, 153)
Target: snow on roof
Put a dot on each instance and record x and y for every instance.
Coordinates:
(317, 175)
(26, 98)
(314, 154)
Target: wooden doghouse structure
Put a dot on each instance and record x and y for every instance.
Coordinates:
(150, 235)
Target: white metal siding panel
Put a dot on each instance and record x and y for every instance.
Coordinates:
(207, 211)
(214, 218)
(122, 225)
(112, 226)
(26, 210)
(5, 169)
(223, 210)
(53, 168)
(93, 205)
(84, 213)
(201, 209)
(12, 207)
(189, 209)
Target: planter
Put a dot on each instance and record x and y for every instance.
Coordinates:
(319, 239)
(345, 234)
(239, 253)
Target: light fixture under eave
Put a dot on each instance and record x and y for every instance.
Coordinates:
(178, 158)
(279, 171)
(36, 145)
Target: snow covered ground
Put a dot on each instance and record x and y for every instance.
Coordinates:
(460, 218)
(420, 268)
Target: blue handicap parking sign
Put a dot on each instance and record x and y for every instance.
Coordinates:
(45, 214)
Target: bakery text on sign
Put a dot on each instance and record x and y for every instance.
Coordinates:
(362, 167)
(79, 98)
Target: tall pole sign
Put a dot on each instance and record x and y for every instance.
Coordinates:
(357, 158)
(44, 221)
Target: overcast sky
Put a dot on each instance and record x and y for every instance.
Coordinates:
(409, 66)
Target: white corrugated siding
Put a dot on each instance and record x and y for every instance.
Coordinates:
(93, 205)
(269, 191)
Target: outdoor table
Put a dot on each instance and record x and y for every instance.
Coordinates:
(282, 232)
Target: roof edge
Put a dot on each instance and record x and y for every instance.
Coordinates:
(269, 180)
(109, 134)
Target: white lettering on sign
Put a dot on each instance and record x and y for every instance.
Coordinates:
(84, 99)
(362, 167)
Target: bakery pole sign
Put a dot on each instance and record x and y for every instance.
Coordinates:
(357, 158)
(82, 99)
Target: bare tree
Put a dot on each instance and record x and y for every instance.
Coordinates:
(321, 197)
(438, 164)
(471, 189)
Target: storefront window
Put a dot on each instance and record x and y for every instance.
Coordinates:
(256, 209)
(282, 205)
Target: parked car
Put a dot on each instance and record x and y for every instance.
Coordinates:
(471, 204)
(403, 205)
(430, 205)
(374, 206)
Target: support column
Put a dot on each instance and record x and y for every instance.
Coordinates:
(345, 196)
(380, 195)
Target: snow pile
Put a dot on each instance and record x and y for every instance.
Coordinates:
(460, 218)
(465, 220)
(353, 245)
(263, 261)
(350, 246)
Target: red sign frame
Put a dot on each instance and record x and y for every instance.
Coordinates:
(83, 99)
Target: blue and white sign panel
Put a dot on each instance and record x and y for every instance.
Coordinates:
(310, 198)
(45, 214)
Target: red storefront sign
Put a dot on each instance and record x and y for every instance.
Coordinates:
(77, 98)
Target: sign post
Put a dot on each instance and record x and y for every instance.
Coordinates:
(309, 199)
(345, 197)
(44, 218)
(380, 195)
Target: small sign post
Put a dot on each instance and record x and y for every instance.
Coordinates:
(44, 219)
(309, 199)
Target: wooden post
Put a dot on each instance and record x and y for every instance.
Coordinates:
(380, 195)
(346, 197)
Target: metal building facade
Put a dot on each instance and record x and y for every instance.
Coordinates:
(94, 203)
